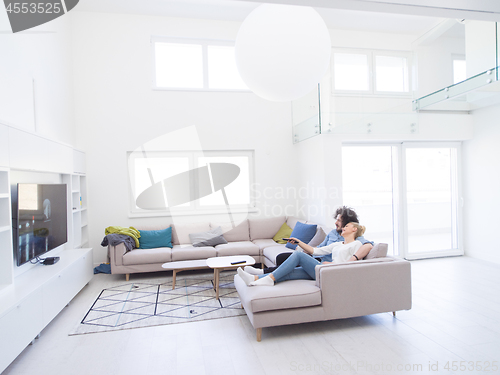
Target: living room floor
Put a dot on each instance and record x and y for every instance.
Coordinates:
(453, 328)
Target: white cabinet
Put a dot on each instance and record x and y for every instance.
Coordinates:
(29, 300)
(77, 209)
(6, 251)
(37, 297)
(19, 327)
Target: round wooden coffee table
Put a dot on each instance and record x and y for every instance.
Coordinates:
(221, 263)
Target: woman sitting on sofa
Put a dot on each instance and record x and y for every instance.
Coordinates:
(301, 265)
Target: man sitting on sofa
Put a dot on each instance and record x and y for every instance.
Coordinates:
(343, 216)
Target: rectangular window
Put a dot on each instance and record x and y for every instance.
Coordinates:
(195, 64)
(459, 70)
(391, 74)
(370, 72)
(190, 182)
(179, 65)
(351, 72)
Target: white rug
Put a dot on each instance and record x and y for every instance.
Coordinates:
(142, 304)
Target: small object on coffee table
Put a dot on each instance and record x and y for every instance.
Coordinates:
(239, 262)
(221, 263)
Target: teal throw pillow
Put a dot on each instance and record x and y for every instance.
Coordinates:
(151, 239)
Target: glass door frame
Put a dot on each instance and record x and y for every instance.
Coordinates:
(457, 201)
(399, 196)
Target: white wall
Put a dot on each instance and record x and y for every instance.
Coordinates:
(481, 158)
(36, 91)
(434, 62)
(117, 111)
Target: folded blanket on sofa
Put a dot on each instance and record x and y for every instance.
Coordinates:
(114, 239)
(130, 231)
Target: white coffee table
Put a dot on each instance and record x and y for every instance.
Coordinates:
(221, 263)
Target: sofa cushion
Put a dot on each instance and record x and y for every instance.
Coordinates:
(147, 256)
(187, 252)
(240, 232)
(285, 295)
(180, 232)
(152, 239)
(237, 248)
(265, 227)
(211, 238)
(284, 232)
(304, 232)
(271, 252)
(318, 238)
(263, 243)
(378, 251)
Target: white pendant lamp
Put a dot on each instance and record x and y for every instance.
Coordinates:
(282, 51)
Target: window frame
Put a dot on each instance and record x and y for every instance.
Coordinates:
(399, 198)
(196, 41)
(371, 58)
(195, 208)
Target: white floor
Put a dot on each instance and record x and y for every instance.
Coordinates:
(454, 321)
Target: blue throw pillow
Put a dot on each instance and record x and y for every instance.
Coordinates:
(304, 232)
(151, 239)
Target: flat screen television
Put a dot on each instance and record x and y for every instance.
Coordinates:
(40, 219)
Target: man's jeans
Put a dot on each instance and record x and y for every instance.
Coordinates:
(299, 265)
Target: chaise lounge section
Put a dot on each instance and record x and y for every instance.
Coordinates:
(342, 290)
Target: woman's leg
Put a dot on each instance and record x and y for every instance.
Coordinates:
(280, 258)
(298, 258)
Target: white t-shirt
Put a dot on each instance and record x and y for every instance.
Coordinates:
(340, 251)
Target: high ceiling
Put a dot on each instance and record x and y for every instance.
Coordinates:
(234, 10)
(400, 16)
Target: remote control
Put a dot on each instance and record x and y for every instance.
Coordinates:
(239, 262)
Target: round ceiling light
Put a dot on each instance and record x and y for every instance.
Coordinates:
(282, 51)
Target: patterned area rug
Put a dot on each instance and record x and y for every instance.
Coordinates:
(141, 304)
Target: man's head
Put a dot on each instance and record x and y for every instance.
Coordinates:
(344, 215)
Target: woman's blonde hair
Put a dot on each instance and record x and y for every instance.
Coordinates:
(360, 229)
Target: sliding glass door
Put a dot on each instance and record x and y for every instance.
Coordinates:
(431, 200)
(407, 195)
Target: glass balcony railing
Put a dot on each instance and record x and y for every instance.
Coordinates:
(479, 91)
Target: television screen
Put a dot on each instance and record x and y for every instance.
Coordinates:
(41, 220)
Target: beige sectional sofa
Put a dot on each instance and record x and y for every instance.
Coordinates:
(340, 290)
(253, 237)
(373, 285)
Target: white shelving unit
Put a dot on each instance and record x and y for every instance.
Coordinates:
(31, 298)
(6, 251)
(77, 209)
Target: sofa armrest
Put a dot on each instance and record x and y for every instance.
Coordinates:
(365, 287)
(116, 254)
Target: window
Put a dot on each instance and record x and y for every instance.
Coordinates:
(371, 72)
(194, 64)
(351, 71)
(412, 199)
(391, 74)
(190, 182)
(459, 70)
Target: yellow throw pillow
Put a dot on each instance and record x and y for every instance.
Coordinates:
(284, 232)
